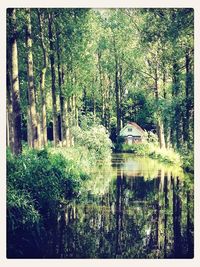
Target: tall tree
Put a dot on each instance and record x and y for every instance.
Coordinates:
(17, 146)
(31, 89)
(189, 109)
(160, 128)
(53, 79)
(117, 88)
(9, 121)
(119, 65)
(41, 19)
(61, 75)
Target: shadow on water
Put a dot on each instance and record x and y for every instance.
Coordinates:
(138, 208)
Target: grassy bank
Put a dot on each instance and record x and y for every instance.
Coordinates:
(152, 150)
(39, 181)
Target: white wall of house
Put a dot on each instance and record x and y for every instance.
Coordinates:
(130, 130)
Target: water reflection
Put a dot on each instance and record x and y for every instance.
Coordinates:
(136, 208)
(142, 209)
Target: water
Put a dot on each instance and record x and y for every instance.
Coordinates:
(138, 208)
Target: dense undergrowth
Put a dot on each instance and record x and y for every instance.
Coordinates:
(39, 181)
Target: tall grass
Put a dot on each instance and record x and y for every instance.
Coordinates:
(152, 150)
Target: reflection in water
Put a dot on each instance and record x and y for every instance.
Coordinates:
(144, 211)
(138, 208)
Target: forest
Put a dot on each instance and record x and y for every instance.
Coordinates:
(75, 78)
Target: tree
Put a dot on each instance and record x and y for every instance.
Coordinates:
(41, 18)
(9, 120)
(53, 79)
(16, 115)
(120, 65)
(31, 89)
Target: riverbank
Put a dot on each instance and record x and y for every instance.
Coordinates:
(166, 155)
(73, 225)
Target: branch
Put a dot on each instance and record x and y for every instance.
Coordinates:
(140, 71)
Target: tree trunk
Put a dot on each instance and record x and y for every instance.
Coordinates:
(75, 110)
(160, 133)
(160, 128)
(29, 132)
(62, 98)
(71, 119)
(31, 89)
(101, 88)
(9, 122)
(65, 123)
(120, 95)
(109, 102)
(177, 120)
(53, 80)
(117, 90)
(166, 119)
(188, 104)
(68, 122)
(42, 82)
(106, 101)
(118, 113)
(17, 146)
(94, 99)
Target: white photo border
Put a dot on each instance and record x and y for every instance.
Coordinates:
(195, 4)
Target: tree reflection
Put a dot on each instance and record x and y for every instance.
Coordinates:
(141, 212)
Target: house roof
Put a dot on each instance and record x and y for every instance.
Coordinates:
(137, 130)
(136, 126)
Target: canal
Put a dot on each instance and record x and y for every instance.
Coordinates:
(136, 208)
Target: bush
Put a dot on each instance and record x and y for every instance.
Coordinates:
(151, 149)
(188, 160)
(138, 149)
(37, 181)
(21, 208)
(165, 155)
(96, 140)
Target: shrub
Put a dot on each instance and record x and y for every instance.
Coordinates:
(188, 161)
(38, 180)
(150, 148)
(21, 208)
(138, 149)
(166, 155)
(96, 140)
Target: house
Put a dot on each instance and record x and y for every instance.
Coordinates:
(132, 133)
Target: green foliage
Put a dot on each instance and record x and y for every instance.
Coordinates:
(187, 159)
(165, 155)
(96, 140)
(37, 181)
(139, 107)
(88, 121)
(102, 52)
(92, 41)
(150, 148)
(21, 208)
(137, 149)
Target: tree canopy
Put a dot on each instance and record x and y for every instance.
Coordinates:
(114, 65)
